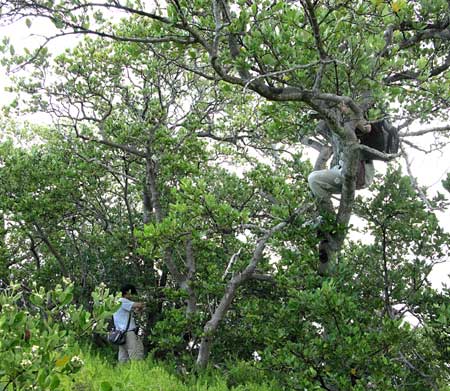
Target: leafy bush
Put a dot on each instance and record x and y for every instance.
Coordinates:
(243, 372)
(39, 331)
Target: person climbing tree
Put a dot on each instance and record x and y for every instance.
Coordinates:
(379, 140)
(324, 183)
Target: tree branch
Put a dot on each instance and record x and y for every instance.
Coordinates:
(421, 194)
(421, 132)
(232, 286)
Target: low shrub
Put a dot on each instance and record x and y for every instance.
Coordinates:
(39, 334)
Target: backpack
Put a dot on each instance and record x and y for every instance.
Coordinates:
(383, 137)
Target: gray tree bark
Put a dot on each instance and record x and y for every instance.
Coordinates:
(232, 286)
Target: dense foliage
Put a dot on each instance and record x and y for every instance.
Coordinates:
(40, 333)
(177, 159)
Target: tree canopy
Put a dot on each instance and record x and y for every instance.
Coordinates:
(182, 136)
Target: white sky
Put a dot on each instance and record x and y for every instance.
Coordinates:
(430, 169)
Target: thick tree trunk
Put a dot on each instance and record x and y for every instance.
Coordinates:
(332, 242)
(190, 263)
(182, 280)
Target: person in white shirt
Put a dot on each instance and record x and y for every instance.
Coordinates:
(133, 348)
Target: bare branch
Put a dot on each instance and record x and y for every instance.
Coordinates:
(51, 248)
(233, 259)
(414, 146)
(421, 132)
(421, 194)
(283, 72)
(443, 33)
(109, 143)
(232, 286)
(383, 156)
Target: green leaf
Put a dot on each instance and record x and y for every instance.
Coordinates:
(54, 382)
(58, 22)
(19, 318)
(68, 297)
(105, 386)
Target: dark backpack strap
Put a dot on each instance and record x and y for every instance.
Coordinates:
(128, 323)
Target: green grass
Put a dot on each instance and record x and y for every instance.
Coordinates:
(99, 375)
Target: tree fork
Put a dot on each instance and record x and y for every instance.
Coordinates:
(230, 291)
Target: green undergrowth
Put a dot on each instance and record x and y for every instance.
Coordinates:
(98, 374)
